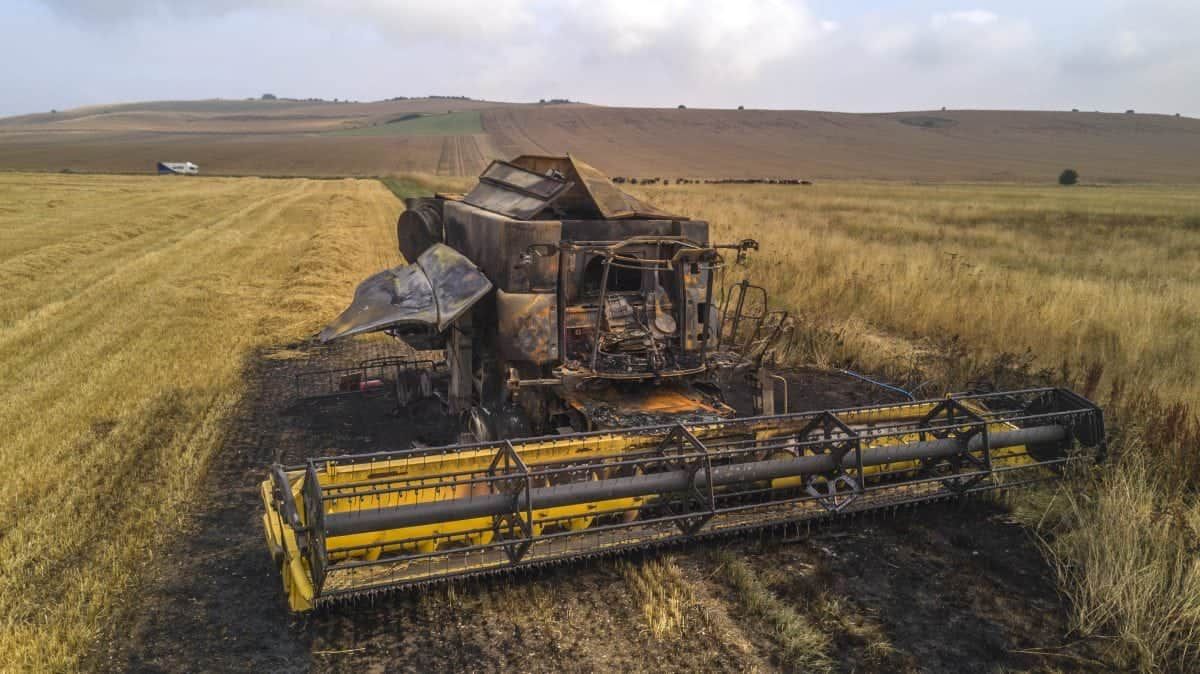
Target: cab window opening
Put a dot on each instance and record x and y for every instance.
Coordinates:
(620, 279)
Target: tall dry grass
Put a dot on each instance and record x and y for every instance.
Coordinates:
(1097, 287)
(1125, 540)
(1105, 274)
(667, 600)
(129, 307)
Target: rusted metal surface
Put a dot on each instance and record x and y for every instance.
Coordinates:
(611, 408)
(528, 326)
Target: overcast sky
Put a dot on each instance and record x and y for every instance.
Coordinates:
(852, 55)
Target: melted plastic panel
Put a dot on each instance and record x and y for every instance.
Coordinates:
(435, 290)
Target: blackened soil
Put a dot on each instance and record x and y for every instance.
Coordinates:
(951, 587)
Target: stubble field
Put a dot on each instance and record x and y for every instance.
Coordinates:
(129, 308)
(133, 306)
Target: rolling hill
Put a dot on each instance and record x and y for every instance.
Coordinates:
(451, 136)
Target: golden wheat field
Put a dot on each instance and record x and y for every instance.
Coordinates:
(128, 309)
(1098, 288)
(1089, 274)
(131, 307)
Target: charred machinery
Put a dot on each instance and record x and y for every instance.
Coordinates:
(588, 346)
(556, 298)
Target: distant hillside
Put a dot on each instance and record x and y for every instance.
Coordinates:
(458, 137)
(234, 116)
(943, 145)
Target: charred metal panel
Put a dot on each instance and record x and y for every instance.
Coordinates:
(694, 230)
(477, 234)
(592, 194)
(515, 192)
(497, 243)
(523, 270)
(528, 326)
(457, 283)
(544, 185)
(698, 314)
(610, 201)
(540, 269)
(432, 291)
(619, 230)
(392, 298)
(579, 325)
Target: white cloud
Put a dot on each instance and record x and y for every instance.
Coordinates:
(949, 39)
(1127, 45)
(761, 53)
(481, 19)
(460, 19)
(976, 17)
(735, 38)
(732, 38)
(1152, 41)
(115, 11)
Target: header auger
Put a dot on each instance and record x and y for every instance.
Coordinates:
(588, 352)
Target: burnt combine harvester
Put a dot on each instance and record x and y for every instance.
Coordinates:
(589, 351)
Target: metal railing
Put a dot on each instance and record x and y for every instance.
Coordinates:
(375, 376)
(516, 503)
